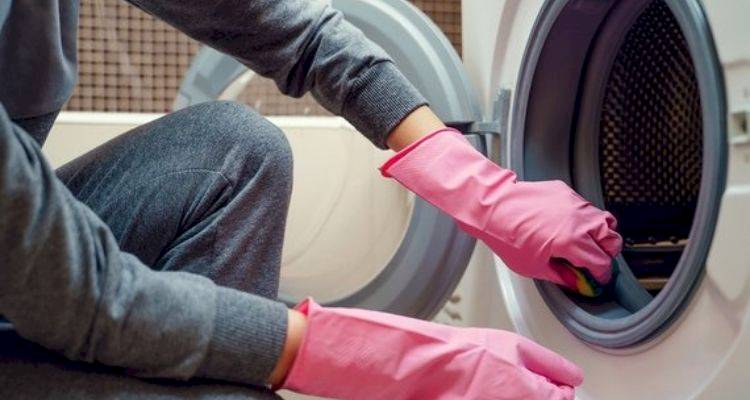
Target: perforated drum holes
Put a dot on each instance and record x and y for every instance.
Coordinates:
(651, 126)
(651, 142)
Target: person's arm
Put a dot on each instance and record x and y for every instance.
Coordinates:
(303, 45)
(65, 284)
(296, 329)
(419, 123)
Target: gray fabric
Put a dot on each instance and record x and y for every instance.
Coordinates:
(203, 190)
(28, 371)
(37, 55)
(304, 45)
(38, 127)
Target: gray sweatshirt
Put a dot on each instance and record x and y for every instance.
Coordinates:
(65, 284)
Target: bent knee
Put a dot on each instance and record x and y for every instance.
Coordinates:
(255, 140)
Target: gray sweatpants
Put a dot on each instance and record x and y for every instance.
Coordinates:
(203, 190)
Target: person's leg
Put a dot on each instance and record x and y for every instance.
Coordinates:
(204, 189)
(28, 371)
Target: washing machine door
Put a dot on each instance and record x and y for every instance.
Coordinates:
(433, 252)
(643, 135)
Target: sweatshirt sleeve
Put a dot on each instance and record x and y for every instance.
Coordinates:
(303, 45)
(65, 284)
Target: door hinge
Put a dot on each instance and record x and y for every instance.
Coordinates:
(493, 133)
(497, 123)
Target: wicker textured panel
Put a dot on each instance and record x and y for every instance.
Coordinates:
(651, 131)
(128, 60)
(131, 62)
(447, 15)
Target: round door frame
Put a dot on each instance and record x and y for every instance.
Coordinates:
(534, 160)
(434, 253)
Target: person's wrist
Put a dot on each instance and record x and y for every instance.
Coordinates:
(418, 123)
(295, 332)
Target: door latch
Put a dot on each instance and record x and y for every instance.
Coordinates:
(493, 132)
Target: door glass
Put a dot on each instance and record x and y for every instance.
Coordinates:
(345, 220)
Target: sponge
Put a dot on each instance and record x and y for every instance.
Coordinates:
(579, 280)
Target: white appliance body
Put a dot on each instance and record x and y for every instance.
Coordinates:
(705, 353)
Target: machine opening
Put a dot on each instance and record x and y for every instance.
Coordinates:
(638, 76)
(345, 222)
(651, 143)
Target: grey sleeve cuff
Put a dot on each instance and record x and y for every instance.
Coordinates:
(379, 100)
(249, 335)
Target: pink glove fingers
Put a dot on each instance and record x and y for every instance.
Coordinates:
(611, 220)
(611, 243)
(545, 362)
(545, 390)
(589, 255)
(605, 233)
(561, 274)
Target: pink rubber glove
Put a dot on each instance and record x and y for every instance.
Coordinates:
(358, 354)
(528, 224)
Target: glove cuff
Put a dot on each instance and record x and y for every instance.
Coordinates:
(289, 382)
(408, 149)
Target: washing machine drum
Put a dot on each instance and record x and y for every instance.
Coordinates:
(650, 144)
(617, 104)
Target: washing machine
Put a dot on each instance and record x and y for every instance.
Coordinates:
(643, 106)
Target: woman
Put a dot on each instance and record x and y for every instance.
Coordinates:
(159, 251)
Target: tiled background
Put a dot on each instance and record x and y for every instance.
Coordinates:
(131, 62)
